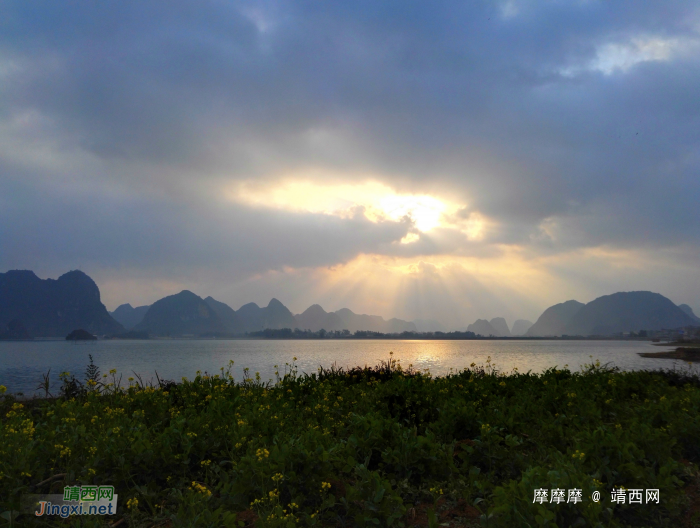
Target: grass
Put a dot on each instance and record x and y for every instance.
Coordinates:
(381, 446)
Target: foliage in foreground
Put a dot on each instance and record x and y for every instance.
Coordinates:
(360, 447)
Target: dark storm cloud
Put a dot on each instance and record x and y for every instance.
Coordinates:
(496, 106)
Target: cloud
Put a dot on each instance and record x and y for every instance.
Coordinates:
(175, 142)
(620, 57)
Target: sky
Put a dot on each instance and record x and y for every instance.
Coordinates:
(433, 160)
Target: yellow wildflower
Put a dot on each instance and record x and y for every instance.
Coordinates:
(196, 486)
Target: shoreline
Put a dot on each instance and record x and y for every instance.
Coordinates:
(685, 353)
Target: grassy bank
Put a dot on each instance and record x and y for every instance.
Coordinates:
(364, 447)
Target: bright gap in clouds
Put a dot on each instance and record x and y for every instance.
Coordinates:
(377, 201)
(622, 56)
(614, 57)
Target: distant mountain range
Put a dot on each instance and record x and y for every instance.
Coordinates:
(482, 327)
(129, 316)
(612, 314)
(32, 307)
(187, 313)
(607, 315)
(54, 308)
(182, 314)
(554, 319)
(498, 327)
(373, 323)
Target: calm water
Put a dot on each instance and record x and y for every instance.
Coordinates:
(22, 363)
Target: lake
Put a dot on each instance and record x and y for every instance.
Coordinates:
(23, 362)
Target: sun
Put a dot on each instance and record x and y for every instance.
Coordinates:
(424, 211)
(375, 200)
(379, 201)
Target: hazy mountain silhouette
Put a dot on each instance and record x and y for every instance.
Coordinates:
(249, 317)
(482, 327)
(373, 323)
(355, 322)
(228, 315)
(689, 312)
(554, 319)
(53, 308)
(500, 326)
(315, 318)
(128, 316)
(520, 327)
(180, 314)
(275, 315)
(627, 312)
